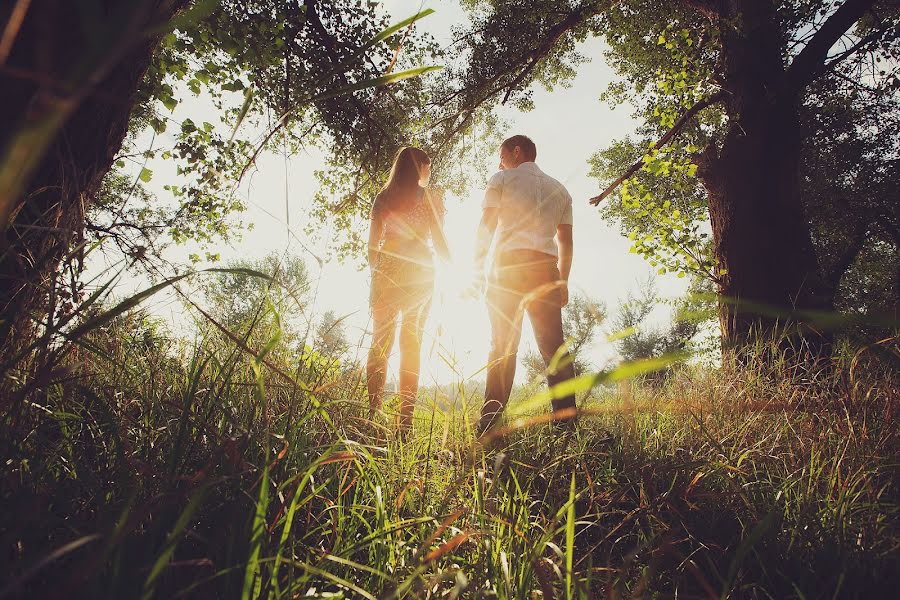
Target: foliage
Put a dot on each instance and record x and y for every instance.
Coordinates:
(309, 70)
(856, 229)
(274, 66)
(234, 298)
(662, 208)
(636, 340)
(668, 61)
(331, 336)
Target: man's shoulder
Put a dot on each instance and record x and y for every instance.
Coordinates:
(497, 178)
(557, 184)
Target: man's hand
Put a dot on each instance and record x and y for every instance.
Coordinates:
(564, 243)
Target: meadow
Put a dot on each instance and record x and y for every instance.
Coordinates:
(138, 465)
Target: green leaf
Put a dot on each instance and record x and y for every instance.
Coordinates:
(251, 573)
(235, 86)
(192, 16)
(158, 125)
(248, 100)
(391, 30)
(377, 82)
(146, 175)
(570, 541)
(633, 369)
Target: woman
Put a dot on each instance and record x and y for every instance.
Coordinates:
(404, 219)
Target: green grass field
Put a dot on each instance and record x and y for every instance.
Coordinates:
(141, 469)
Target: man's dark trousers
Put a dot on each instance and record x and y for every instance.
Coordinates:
(523, 281)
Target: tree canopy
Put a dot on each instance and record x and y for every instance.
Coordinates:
(765, 162)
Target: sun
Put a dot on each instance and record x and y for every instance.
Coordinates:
(457, 335)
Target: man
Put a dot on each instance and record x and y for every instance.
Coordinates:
(531, 215)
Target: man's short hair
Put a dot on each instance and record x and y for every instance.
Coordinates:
(524, 142)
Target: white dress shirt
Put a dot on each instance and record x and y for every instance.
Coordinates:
(531, 205)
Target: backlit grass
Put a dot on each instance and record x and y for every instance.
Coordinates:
(156, 471)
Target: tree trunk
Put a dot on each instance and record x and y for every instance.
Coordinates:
(761, 235)
(84, 70)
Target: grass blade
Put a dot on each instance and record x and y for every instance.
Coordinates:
(570, 541)
(252, 575)
(149, 590)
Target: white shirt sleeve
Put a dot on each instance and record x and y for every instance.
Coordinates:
(566, 218)
(493, 191)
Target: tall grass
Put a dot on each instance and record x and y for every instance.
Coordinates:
(145, 467)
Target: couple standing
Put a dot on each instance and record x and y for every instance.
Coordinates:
(530, 214)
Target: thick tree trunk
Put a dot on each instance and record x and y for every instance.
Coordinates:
(41, 75)
(761, 235)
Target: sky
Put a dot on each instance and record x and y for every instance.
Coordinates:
(567, 124)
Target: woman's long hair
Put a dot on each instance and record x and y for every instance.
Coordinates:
(402, 187)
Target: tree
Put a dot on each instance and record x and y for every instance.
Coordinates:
(76, 71)
(849, 186)
(757, 64)
(69, 83)
(638, 341)
(258, 309)
(331, 338)
(721, 85)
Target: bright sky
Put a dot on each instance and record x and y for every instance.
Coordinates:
(568, 125)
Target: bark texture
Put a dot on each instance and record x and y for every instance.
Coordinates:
(89, 67)
(761, 234)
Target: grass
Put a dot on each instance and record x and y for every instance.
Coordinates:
(144, 471)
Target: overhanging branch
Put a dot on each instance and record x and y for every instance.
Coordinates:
(859, 45)
(526, 61)
(567, 24)
(665, 139)
(811, 60)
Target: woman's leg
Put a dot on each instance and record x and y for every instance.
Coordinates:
(411, 332)
(384, 324)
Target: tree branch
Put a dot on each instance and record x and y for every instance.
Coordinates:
(864, 41)
(811, 60)
(331, 49)
(665, 139)
(711, 9)
(570, 22)
(529, 59)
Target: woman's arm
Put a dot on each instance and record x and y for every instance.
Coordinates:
(376, 227)
(437, 225)
(484, 237)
